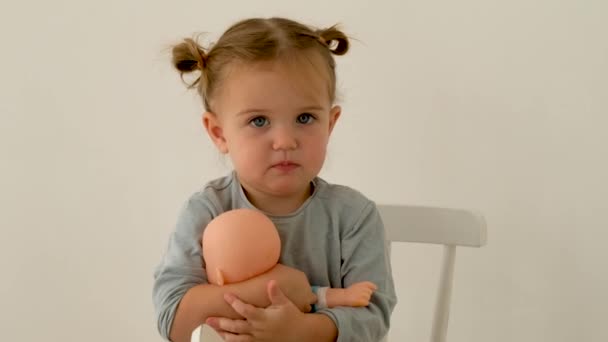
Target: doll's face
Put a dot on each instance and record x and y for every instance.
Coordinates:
(238, 245)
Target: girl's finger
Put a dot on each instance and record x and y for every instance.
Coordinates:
(235, 326)
(229, 337)
(246, 310)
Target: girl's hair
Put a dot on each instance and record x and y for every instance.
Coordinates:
(254, 40)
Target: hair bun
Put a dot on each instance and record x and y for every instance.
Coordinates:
(188, 56)
(335, 40)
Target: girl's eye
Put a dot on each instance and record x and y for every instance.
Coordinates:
(305, 118)
(259, 121)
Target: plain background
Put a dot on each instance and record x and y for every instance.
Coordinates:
(498, 106)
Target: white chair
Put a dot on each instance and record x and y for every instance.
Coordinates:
(448, 227)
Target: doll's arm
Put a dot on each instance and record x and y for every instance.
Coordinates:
(207, 300)
(356, 295)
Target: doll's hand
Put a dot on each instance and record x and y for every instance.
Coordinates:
(359, 294)
(278, 322)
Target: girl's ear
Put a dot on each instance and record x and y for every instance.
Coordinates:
(215, 131)
(334, 115)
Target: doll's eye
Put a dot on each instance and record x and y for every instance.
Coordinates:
(258, 121)
(305, 118)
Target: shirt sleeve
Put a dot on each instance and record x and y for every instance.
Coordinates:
(182, 266)
(365, 257)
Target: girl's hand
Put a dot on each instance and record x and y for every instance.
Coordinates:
(278, 322)
(293, 284)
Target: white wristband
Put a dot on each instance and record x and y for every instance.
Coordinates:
(322, 298)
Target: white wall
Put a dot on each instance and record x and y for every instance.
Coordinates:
(499, 106)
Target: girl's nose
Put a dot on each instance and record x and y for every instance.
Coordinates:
(284, 139)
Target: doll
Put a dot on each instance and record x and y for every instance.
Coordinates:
(243, 243)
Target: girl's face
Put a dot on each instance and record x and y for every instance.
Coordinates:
(274, 120)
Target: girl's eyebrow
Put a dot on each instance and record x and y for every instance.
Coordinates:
(311, 108)
(251, 110)
(259, 110)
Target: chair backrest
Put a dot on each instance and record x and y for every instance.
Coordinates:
(404, 223)
(442, 226)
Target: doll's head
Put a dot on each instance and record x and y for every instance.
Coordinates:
(238, 245)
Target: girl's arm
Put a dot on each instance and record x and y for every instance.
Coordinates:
(319, 327)
(207, 300)
(365, 258)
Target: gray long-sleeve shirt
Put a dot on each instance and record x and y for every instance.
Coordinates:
(336, 238)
